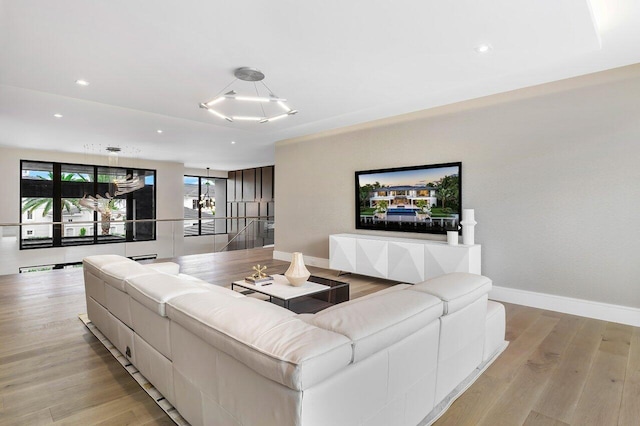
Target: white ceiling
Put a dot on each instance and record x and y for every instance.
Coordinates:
(151, 62)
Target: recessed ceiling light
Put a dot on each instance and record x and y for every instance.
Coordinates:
(159, 131)
(82, 82)
(57, 115)
(483, 48)
(233, 142)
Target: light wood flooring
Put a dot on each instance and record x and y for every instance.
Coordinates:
(558, 370)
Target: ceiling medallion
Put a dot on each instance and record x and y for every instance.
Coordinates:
(233, 106)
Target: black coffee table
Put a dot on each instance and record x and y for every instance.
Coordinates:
(316, 294)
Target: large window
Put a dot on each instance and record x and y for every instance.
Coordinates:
(204, 198)
(76, 193)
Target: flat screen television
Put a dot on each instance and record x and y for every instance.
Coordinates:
(425, 199)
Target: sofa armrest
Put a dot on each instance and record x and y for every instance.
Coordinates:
(456, 290)
(379, 322)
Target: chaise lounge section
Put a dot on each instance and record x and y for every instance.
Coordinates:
(399, 356)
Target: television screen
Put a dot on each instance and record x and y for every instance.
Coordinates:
(410, 199)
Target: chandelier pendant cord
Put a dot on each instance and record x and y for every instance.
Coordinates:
(258, 95)
(225, 88)
(267, 87)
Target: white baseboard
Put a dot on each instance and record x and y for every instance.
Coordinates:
(568, 305)
(308, 260)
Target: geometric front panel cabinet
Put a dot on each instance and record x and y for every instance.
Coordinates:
(406, 262)
(400, 259)
(445, 259)
(342, 253)
(371, 257)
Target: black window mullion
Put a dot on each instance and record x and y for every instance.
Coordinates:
(20, 204)
(129, 212)
(57, 204)
(95, 213)
(199, 206)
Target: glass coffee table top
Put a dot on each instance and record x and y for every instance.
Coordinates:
(314, 295)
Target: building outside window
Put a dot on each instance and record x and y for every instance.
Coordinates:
(204, 199)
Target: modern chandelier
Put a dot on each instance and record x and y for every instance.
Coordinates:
(233, 106)
(206, 202)
(120, 184)
(123, 185)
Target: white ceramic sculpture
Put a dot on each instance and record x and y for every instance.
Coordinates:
(297, 274)
(468, 226)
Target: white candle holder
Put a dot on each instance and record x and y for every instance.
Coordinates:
(452, 238)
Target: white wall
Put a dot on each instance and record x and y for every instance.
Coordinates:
(169, 181)
(552, 171)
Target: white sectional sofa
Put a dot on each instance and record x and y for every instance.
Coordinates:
(396, 357)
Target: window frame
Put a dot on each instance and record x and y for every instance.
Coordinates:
(57, 239)
(200, 193)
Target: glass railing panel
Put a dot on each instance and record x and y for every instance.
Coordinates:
(35, 235)
(29, 246)
(256, 233)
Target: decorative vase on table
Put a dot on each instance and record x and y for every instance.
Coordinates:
(297, 274)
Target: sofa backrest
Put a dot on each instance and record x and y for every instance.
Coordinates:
(154, 289)
(95, 263)
(266, 338)
(376, 322)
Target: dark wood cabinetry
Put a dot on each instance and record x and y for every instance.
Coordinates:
(249, 194)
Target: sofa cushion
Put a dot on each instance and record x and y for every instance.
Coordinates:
(209, 286)
(154, 289)
(95, 263)
(166, 267)
(267, 338)
(189, 277)
(456, 290)
(217, 289)
(114, 274)
(378, 322)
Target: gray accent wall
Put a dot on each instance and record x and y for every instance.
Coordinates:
(552, 171)
(249, 193)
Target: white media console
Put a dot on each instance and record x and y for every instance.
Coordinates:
(400, 259)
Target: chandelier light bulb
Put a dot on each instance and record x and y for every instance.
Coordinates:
(241, 118)
(483, 48)
(254, 98)
(215, 101)
(217, 114)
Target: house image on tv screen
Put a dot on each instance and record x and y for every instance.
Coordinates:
(404, 196)
(412, 199)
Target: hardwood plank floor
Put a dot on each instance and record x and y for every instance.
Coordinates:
(558, 370)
